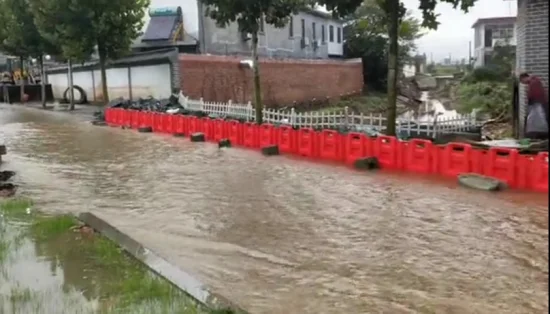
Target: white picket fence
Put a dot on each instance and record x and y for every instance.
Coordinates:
(336, 119)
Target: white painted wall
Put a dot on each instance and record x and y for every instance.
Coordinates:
(151, 80)
(409, 70)
(190, 12)
(335, 48)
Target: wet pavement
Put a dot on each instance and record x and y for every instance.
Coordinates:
(284, 235)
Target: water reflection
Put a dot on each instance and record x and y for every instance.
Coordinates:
(280, 235)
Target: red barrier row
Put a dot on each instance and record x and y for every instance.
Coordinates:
(422, 156)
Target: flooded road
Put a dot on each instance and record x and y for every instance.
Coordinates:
(280, 235)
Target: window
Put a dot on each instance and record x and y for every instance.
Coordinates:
(313, 32)
(291, 27)
(331, 33)
(323, 35)
(303, 28)
(488, 38)
(339, 34)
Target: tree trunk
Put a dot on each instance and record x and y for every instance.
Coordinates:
(71, 85)
(392, 66)
(104, 89)
(257, 88)
(42, 82)
(22, 79)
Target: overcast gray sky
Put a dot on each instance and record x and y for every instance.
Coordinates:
(455, 30)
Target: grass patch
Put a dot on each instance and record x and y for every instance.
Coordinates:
(3, 249)
(93, 266)
(374, 102)
(51, 226)
(15, 206)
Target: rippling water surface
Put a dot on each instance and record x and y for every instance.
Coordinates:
(282, 235)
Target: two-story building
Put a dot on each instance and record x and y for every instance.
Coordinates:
(310, 34)
(489, 32)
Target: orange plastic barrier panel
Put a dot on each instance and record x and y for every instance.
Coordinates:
(286, 139)
(355, 147)
(502, 163)
(331, 145)
(418, 156)
(195, 125)
(456, 159)
(539, 178)
(386, 150)
(306, 142)
(250, 135)
(266, 135)
(235, 132)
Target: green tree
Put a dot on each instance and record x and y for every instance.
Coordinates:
(367, 38)
(394, 11)
(85, 26)
(249, 15)
(19, 36)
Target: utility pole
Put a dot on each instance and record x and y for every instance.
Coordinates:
(469, 53)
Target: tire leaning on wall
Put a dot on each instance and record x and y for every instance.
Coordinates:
(83, 98)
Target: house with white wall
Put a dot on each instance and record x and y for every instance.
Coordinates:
(489, 32)
(310, 34)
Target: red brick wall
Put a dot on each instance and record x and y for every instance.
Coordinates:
(220, 78)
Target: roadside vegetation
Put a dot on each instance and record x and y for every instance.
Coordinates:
(98, 276)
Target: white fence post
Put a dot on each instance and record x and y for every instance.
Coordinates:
(334, 119)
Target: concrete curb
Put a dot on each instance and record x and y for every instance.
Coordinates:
(159, 265)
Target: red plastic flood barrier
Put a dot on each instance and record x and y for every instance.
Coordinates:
(418, 156)
(266, 135)
(134, 119)
(147, 119)
(306, 142)
(219, 130)
(208, 129)
(355, 147)
(119, 116)
(539, 173)
(501, 164)
(108, 115)
(195, 125)
(478, 161)
(286, 139)
(180, 124)
(386, 150)
(456, 159)
(524, 165)
(250, 135)
(234, 132)
(157, 122)
(331, 145)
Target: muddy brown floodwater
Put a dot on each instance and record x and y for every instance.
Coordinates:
(281, 235)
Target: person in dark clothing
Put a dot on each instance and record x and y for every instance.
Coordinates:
(536, 96)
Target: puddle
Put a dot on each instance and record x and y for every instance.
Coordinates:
(45, 267)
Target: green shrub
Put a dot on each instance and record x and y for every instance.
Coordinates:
(487, 74)
(492, 98)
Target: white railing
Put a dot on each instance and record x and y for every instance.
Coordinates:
(369, 123)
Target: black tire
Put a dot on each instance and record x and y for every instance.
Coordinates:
(145, 129)
(83, 98)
